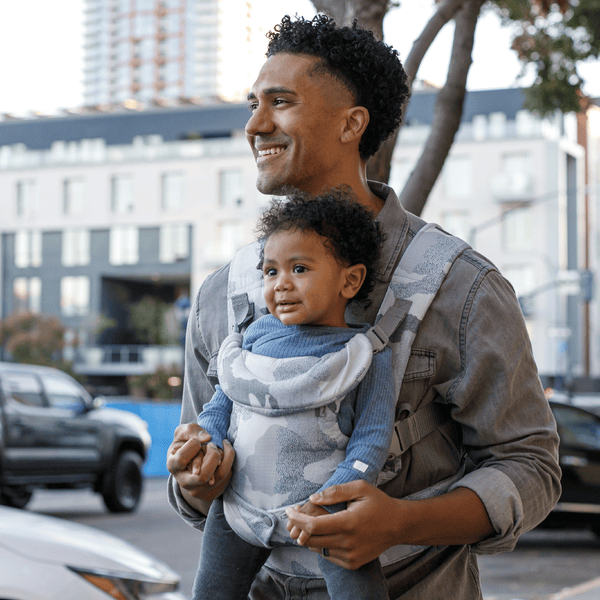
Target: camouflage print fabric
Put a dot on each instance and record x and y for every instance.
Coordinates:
(284, 453)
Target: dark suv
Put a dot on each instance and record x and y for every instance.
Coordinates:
(54, 435)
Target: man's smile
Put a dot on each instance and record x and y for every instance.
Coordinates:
(274, 150)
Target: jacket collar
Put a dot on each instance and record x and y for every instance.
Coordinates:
(393, 219)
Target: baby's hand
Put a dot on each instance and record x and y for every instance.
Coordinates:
(308, 509)
(206, 462)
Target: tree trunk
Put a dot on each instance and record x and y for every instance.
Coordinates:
(378, 168)
(447, 112)
(369, 13)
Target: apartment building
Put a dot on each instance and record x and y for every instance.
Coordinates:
(101, 210)
(143, 51)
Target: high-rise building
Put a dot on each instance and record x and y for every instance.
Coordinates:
(153, 50)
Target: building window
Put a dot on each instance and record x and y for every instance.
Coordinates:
(27, 198)
(231, 188)
(458, 177)
(28, 248)
(74, 296)
(75, 247)
(27, 294)
(122, 194)
(172, 191)
(124, 245)
(517, 170)
(517, 228)
(231, 238)
(174, 243)
(73, 196)
(456, 223)
(522, 278)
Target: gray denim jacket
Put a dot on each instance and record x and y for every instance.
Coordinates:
(472, 353)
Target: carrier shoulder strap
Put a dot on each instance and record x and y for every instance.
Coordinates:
(416, 281)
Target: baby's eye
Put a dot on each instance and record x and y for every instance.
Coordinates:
(299, 269)
(270, 272)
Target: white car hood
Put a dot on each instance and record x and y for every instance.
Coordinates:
(52, 540)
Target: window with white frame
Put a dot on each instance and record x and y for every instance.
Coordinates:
(231, 188)
(27, 201)
(124, 245)
(28, 248)
(122, 194)
(517, 170)
(74, 296)
(27, 294)
(73, 196)
(75, 247)
(517, 228)
(456, 223)
(458, 177)
(231, 237)
(522, 278)
(174, 242)
(172, 191)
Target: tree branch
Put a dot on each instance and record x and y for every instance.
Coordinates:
(447, 112)
(378, 168)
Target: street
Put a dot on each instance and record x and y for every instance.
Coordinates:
(546, 565)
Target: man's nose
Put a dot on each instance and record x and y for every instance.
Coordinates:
(260, 122)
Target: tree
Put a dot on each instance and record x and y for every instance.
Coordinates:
(553, 36)
(34, 339)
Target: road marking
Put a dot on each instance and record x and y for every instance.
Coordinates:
(588, 586)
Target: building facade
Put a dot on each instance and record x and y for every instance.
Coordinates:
(101, 211)
(143, 51)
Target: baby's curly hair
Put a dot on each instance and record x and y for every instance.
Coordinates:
(350, 230)
(369, 69)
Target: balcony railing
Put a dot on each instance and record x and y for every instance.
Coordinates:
(124, 359)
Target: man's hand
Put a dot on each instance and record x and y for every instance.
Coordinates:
(353, 536)
(195, 463)
(374, 522)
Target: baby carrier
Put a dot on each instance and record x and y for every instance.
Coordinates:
(413, 286)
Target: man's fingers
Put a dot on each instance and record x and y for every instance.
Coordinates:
(346, 492)
(178, 458)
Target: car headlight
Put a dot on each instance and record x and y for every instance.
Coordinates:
(125, 586)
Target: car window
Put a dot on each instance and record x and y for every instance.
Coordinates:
(577, 427)
(62, 393)
(23, 389)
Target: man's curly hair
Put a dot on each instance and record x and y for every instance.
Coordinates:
(350, 230)
(369, 69)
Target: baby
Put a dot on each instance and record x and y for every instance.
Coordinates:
(301, 395)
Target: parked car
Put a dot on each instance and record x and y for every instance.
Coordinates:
(54, 435)
(579, 451)
(45, 558)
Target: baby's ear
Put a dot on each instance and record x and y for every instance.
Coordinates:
(355, 275)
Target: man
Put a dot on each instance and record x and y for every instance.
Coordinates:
(322, 104)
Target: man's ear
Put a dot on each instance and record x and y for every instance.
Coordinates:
(355, 275)
(357, 119)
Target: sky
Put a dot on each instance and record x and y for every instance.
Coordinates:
(41, 50)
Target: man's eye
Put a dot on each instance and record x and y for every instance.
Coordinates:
(252, 106)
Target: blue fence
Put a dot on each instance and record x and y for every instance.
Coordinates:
(162, 419)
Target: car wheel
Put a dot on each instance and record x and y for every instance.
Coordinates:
(15, 496)
(122, 488)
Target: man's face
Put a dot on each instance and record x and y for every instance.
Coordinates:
(296, 124)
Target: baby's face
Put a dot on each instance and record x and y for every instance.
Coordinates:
(304, 283)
